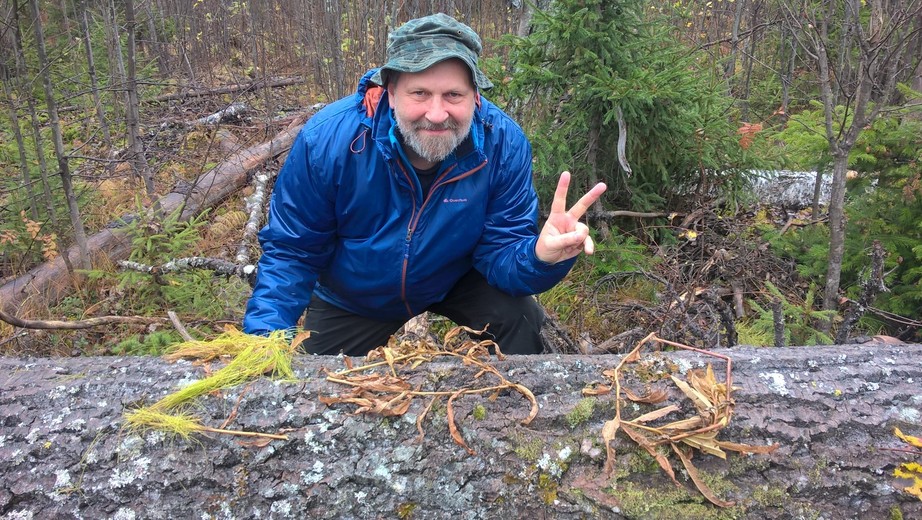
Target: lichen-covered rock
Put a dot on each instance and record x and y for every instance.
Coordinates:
(65, 453)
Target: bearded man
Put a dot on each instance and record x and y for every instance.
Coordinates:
(414, 194)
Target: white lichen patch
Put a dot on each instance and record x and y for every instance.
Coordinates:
(136, 470)
(2, 440)
(32, 436)
(124, 513)
(399, 485)
(910, 415)
(755, 360)
(19, 514)
(155, 437)
(564, 454)
(776, 382)
(684, 365)
(549, 466)
(280, 508)
(62, 479)
(383, 472)
(313, 476)
(871, 386)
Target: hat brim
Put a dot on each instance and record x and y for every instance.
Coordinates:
(423, 60)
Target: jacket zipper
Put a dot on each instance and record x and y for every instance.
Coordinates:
(414, 220)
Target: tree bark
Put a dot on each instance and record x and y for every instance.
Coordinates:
(65, 451)
(209, 189)
(83, 18)
(83, 256)
(133, 123)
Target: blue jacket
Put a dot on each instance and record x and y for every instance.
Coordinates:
(348, 221)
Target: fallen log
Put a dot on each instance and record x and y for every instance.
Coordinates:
(229, 89)
(65, 453)
(49, 281)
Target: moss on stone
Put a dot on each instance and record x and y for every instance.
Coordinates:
(582, 412)
(528, 448)
(405, 510)
(669, 502)
(479, 412)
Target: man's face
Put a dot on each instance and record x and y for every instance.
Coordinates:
(434, 108)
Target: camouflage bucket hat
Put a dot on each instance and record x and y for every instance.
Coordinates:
(421, 43)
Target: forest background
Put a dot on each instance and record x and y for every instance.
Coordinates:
(691, 111)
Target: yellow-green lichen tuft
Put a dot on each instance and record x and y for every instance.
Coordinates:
(405, 510)
(582, 412)
(479, 412)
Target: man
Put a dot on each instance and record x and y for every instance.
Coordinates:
(415, 194)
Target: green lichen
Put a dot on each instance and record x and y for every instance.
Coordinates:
(547, 488)
(896, 513)
(769, 496)
(719, 483)
(479, 412)
(582, 412)
(529, 449)
(819, 471)
(669, 502)
(405, 510)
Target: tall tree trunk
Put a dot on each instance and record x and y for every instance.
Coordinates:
(116, 63)
(730, 68)
(836, 233)
(21, 147)
(91, 71)
(138, 158)
(63, 168)
(787, 74)
(156, 45)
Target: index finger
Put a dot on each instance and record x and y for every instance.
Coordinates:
(582, 205)
(559, 204)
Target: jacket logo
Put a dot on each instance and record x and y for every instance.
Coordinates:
(450, 201)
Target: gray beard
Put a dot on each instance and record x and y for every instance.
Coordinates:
(433, 149)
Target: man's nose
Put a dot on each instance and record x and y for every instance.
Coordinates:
(437, 113)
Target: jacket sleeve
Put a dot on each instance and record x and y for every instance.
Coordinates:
(297, 243)
(506, 252)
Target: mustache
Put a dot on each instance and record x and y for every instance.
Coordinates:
(449, 124)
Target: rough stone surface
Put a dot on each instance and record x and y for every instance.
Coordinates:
(64, 451)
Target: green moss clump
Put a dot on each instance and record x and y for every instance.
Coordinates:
(547, 488)
(669, 502)
(582, 412)
(405, 510)
(480, 413)
(529, 449)
(769, 496)
(896, 513)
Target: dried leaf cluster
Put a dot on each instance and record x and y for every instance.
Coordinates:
(713, 405)
(381, 385)
(910, 470)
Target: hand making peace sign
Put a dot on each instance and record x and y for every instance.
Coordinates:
(563, 235)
